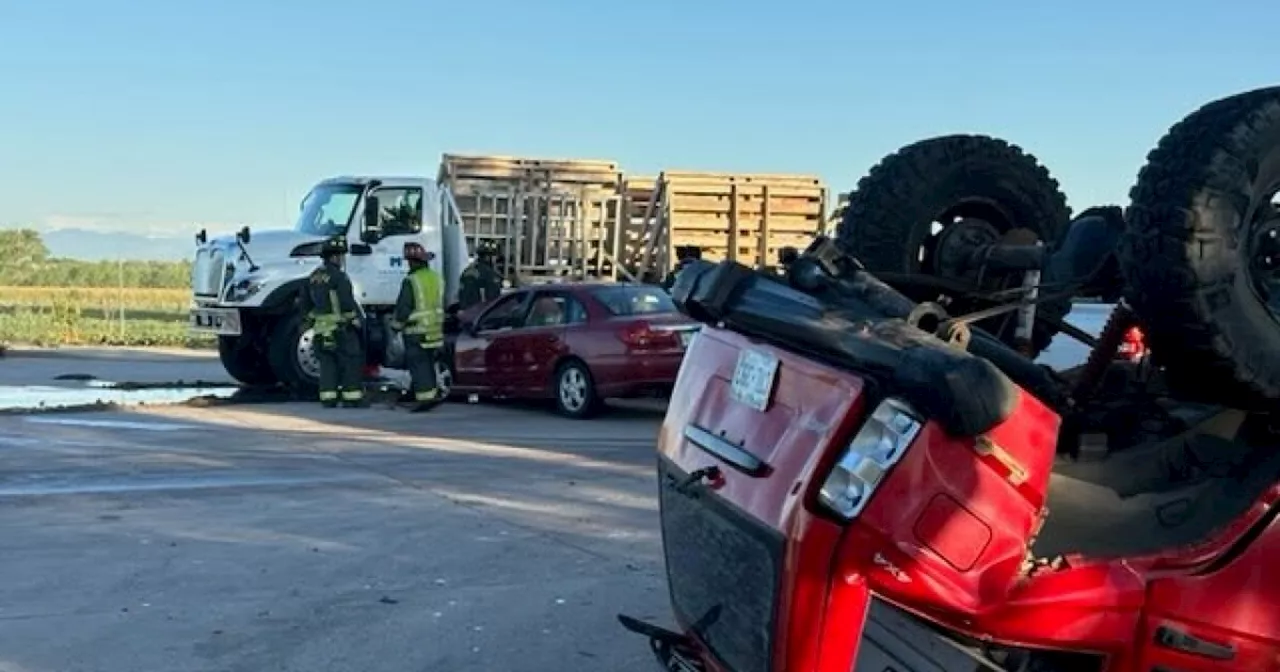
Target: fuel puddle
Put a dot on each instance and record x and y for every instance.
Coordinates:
(101, 394)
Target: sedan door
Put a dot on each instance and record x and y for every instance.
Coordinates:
(482, 355)
(537, 346)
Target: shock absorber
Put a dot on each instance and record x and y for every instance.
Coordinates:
(1109, 341)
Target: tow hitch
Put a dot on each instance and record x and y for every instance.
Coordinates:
(672, 649)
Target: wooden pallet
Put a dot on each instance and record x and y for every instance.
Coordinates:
(744, 217)
(528, 172)
(548, 217)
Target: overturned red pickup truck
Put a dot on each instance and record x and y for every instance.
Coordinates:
(852, 477)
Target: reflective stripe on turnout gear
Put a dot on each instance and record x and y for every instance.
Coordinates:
(328, 395)
(326, 323)
(352, 395)
(428, 395)
(427, 318)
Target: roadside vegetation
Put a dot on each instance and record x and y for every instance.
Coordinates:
(50, 301)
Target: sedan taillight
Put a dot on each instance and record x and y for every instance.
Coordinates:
(642, 336)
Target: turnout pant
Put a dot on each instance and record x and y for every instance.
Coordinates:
(341, 366)
(421, 361)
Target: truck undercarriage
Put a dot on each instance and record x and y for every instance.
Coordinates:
(862, 466)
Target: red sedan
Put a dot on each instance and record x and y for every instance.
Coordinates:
(575, 343)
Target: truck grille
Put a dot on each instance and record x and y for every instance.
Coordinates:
(207, 272)
(723, 569)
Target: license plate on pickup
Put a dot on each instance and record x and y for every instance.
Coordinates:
(220, 321)
(753, 379)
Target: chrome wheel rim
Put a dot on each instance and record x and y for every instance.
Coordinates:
(444, 379)
(308, 363)
(573, 388)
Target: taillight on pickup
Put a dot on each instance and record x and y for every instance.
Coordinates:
(1134, 345)
(643, 336)
(874, 450)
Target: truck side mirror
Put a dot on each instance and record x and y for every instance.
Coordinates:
(372, 229)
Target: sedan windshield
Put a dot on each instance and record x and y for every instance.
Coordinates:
(327, 209)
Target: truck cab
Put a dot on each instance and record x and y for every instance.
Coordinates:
(245, 286)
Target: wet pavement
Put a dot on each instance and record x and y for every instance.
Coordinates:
(282, 536)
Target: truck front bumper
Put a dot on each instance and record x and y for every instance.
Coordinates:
(215, 321)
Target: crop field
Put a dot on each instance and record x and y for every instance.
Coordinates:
(133, 316)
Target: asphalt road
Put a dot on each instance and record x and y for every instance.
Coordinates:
(285, 537)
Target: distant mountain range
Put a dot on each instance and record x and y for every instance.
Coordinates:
(100, 245)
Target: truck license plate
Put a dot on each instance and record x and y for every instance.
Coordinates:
(220, 321)
(753, 378)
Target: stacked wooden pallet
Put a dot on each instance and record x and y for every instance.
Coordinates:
(747, 218)
(548, 217)
(582, 218)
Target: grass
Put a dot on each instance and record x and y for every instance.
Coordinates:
(93, 316)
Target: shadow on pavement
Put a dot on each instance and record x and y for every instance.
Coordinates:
(267, 535)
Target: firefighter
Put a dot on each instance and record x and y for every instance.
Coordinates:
(786, 256)
(419, 315)
(686, 254)
(480, 281)
(330, 306)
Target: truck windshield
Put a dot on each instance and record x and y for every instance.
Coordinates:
(327, 210)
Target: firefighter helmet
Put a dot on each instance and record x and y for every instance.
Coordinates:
(486, 249)
(416, 252)
(337, 245)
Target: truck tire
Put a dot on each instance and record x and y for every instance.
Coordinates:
(246, 362)
(292, 356)
(953, 181)
(1200, 246)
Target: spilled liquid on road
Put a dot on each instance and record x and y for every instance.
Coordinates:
(101, 393)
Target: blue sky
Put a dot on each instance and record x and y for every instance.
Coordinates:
(169, 115)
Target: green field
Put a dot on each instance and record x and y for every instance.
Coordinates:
(96, 316)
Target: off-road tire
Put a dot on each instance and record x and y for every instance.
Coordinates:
(890, 213)
(282, 353)
(246, 362)
(592, 403)
(1186, 269)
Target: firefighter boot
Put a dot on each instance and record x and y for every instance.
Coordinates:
(426, 401)
(354, 399)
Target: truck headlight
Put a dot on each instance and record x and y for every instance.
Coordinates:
(882, 441)
(243, 289)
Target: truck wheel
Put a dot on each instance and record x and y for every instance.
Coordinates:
(1201, 250)
(292, 355)
(245, 361)
(922, 209)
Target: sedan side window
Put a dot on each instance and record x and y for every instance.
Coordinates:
(505, 314)
(575, 312)
(548, 310)
(555, 310)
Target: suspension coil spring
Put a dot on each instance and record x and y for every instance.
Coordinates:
(1109, 341)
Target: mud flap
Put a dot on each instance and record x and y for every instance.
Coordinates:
(672, 649)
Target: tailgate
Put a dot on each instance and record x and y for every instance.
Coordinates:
(762, 418)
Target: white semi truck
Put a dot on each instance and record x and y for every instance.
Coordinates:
(245, 285)
(550, 219)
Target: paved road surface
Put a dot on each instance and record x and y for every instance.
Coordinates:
(282, 537)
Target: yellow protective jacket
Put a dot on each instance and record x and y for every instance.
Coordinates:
(328, 300)
(420, 307)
